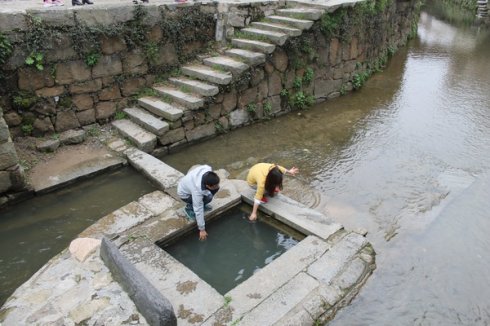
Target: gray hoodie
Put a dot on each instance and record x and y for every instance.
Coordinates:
(191, 185)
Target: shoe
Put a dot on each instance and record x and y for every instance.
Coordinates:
(48, 3)
(58, 3)
(208, 207)
(191, 216)
(264, 200)
(76, 3)
(87, 2)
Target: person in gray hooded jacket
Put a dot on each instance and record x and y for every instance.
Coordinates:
(197, 189)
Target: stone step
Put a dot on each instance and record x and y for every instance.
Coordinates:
(143, 139)
(253, 45)
(298, 23)
(195, 86)
(278, 28)
(187, 100)
(227, 63)
(275, 37)
(250, 57)
(147, 121)
(301, 13)
(207, 74)
(158, 172)
(161, 108)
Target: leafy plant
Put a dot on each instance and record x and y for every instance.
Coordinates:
(35, 59)
(308, 76)
(151, 51)
(251, 108)
(5, 49)
(24, 100)
(298, 82)
(220, 129)
(301, 101)
(27, 129)
(284, 92)
(92, 58)
(119, 115)
(227, 300)
(267, 109)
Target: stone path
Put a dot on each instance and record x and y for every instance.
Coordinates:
(306, 285)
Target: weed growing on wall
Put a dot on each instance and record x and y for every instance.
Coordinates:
(5, 49)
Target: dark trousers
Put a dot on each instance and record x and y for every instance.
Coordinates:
(206, 200)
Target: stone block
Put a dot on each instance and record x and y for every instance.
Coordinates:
(103, 16)
(280, 59)
(5, 182)
(108, 65)
(8, 155)
(4, 131)
(110, 93)
(86, 87)
(201, 132)
(112, 44)
(72, 72)
(104, 110)
(247, 97)
(49, 145)
(257, 75)
(42, 126)
(12, 20)
(12, 119)
(86, 117)
(275, 103)
(83, 102)
(238, 118)
(157, 202)
(132, 86)
(66, 120)
(323, 87)
(160, 173)
(155, 34)
(172, 136)
(81, 248)
(18, 179)
(71, 137)
(166, 55)
(333, 262)
(262, 90)
(354, 48)
(31, 79)
(275, 84)
(236, 19)
(135, 63)
(156, 308)
(62, 49)
(230, 101)
(334, 51)
(352, 274)
(214, 110)
(50, 91)
(54, 17)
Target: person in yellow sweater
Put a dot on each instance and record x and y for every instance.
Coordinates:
(267, 178)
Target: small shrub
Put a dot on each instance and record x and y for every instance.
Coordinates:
(308, 76)
(119, 115)
(24, 101)
(5, 49)
(151, 51)
(298, 82)
(251, 108)
(92, 58)
(284, 92)
(35, 59)
(27, 129)
(267, 109)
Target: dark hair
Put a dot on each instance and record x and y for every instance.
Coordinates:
(210, 178)
(273, 180)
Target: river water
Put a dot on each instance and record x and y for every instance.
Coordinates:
(406, 158)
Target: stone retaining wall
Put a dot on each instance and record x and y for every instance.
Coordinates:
(11, 173)
(71, 68)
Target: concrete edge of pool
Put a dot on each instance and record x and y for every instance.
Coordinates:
(308, 283)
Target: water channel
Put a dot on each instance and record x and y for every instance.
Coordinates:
(406, 158)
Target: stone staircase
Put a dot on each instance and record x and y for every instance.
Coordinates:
(482, 11)
(155, 115)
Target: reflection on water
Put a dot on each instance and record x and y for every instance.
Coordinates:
(405, 158)
(235, 249)
(33, 232)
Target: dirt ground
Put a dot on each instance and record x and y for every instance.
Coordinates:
(38, 164)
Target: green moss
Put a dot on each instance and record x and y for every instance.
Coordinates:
(24, 100)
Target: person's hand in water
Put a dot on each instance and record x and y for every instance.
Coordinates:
(203, 235)
(293, 171)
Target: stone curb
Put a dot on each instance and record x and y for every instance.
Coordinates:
(156, 309)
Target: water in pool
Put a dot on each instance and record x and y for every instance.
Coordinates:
(235, 249)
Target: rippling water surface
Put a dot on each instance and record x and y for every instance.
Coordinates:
(406, 158)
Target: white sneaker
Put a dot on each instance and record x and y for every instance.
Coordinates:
(48, 3)
(58, 3)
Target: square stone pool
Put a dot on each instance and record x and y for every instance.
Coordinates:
(235, 249)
